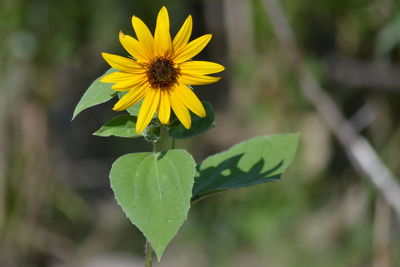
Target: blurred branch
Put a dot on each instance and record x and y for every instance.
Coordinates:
(240, 38)
(374, 75)
(362, 155)
(364, 117)
(3, 183)
(381, 235)
(241, 51)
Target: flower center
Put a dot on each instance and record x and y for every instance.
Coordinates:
(161, 73)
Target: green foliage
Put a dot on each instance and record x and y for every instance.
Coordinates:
(199, 125)
(279, 223)
(388, 38)
(257, 160)
(97, 93)
(121, 126)
(154, 190)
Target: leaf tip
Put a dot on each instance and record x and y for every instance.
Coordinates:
(76, 112)
(97, 133)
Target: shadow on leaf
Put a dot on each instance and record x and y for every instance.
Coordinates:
(228, 175)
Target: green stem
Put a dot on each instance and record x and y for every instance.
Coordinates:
(149, 255)
(173, 143)
(154, 144)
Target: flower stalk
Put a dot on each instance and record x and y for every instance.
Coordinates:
(148, 254)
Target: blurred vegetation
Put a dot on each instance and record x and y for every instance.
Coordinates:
(56, 206)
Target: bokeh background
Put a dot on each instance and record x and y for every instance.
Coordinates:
(56, 206)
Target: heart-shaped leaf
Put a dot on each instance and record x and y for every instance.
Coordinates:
(97, 93)
(257, 160)
(154, 191)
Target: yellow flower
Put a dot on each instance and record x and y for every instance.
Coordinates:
(161, 72)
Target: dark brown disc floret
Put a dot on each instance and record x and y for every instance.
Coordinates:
(162, 74)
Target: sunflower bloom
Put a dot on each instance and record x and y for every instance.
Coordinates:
(161, 72)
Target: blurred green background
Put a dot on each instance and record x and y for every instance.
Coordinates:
(56, 206)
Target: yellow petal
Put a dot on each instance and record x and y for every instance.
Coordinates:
(128, 84)
(183, 35)
(144, 35)
(164, 108)
(190, 100)
(162, 37)
(200, 67)
(122, 63)
(192, 48)
(180, 110)
(132, 97)
(134, 47)
(149, 106)
(192, 79)
(117, 77)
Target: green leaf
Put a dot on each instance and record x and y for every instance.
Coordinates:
(121, 126)
(257, 160)
(154, 191)
(199, 125)
(97, 93)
